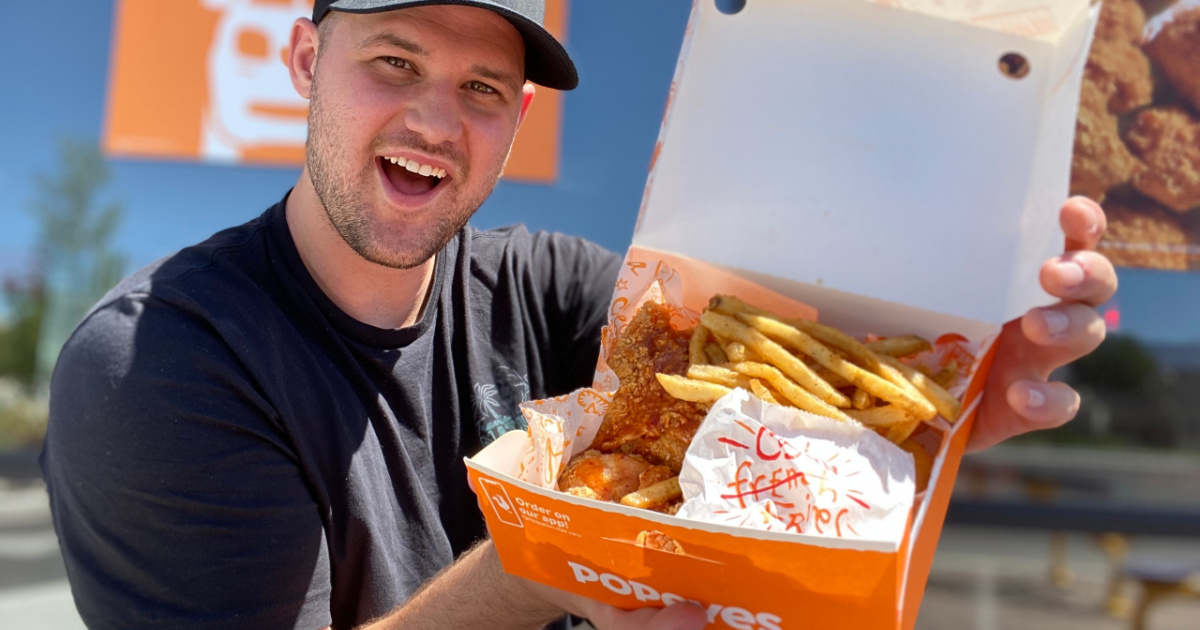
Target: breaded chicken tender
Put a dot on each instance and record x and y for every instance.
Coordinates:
(643, 418)
(1176, 49)
(1167, 141)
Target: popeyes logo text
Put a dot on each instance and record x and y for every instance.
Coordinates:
(732, 616)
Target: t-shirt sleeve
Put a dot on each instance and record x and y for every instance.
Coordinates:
(177, 500)
(578, 278)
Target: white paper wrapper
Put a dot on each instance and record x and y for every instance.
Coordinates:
(774, 468)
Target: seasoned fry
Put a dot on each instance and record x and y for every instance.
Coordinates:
(715, 354)
(946, 405)
(690, 390)
(884, 416)
(719, 375)
(762, 392)
(901, 346)
(654, 496)
(947, 375)
(735, 351)
(838, 340)
(731, 306)
(829, 376)
(828, 335)
(773, 352)
(877, 386)
(862, 399)
(798, 396)
(696, 345)
(902, 431)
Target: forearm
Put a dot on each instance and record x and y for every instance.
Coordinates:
(474, 592)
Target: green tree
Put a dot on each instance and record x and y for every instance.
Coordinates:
(25, 304)
(74, 248)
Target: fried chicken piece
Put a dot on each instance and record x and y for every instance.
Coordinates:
(1100, 160)
(1123, 20)
(1141, 234)
(602, 476)
(1168, 141)
(1176, 49)
(643, 418)
(1122, 67)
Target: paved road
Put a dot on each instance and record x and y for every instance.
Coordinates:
(983, 578)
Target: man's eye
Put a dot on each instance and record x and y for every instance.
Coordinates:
(482, 88)
(399, 63)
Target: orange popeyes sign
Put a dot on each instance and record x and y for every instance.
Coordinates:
(206, 80)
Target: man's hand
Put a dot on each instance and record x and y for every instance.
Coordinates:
(1018, 399)
(605, 617)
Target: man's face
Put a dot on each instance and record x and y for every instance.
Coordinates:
(440, 86)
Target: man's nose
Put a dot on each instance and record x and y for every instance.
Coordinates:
(436, 114)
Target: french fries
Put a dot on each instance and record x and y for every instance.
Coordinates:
(875, 385)
(903, 346)
(655, 495)
(696, 345)
(798, 396)
(691, 390)
(947, 405)
(787, 363)
(760, 390)
(717, 374)
(814, 367)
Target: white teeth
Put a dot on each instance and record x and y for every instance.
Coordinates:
(416, 167)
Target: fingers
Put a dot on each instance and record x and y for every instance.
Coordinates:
(674, 617)
(1042, 405)
(1080, 276)
(1082, 222)
(1073, 329)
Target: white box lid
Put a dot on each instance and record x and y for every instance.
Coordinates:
(874, 150)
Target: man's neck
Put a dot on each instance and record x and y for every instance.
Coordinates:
(371, 293)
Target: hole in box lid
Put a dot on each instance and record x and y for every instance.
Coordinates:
(1014, 65)
(730, 7)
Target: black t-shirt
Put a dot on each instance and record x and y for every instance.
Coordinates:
(227, 448)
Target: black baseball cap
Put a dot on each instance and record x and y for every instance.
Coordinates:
(546, 61)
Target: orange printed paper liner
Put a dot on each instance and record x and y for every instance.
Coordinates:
(562, 426)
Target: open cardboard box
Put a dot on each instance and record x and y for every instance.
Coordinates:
(875, 163)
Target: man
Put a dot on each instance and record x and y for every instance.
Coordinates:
(267, 429)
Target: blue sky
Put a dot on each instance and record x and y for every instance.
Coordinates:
(55, 82)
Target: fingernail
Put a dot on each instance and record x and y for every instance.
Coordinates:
(1071, 273)
(1056, 322)
(1034, 398)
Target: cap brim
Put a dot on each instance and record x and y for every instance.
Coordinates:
(546, 61)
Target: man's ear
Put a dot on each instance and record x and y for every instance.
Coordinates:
(526, 101)
(302, 55)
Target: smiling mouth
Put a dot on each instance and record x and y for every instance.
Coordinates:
(410, 177)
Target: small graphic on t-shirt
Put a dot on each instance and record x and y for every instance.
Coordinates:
(503, 505)
(496, 405)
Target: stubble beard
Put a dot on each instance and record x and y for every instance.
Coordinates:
(342, 193)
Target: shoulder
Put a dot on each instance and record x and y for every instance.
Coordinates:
(222, 260)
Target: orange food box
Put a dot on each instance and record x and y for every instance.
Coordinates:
(877, 166)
